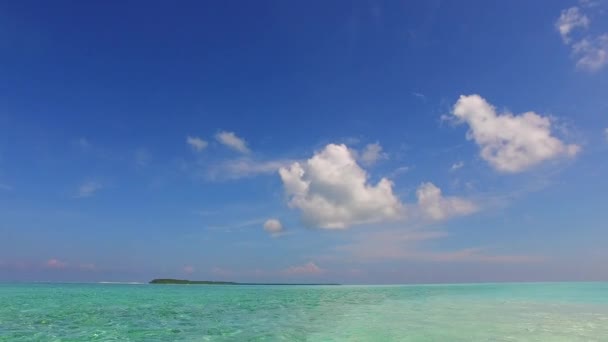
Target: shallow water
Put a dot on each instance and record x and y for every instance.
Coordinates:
(477, 312)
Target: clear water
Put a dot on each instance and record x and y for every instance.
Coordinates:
(484, 312)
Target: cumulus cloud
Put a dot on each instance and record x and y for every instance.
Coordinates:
(273, 226)
(508, 142)
(332, 191)
(569, 20)
(230, 140)
(308, 269)
(434, 206)
(371, 154)
(88, 189)
(196, 143)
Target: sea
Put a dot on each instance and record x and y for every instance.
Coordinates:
(451, 312)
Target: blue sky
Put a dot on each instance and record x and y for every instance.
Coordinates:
(351, 141)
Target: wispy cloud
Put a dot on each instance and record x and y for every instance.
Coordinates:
(570, 19)
(232, 141)
(56, 264)
(403, 245)
(399, 171)
(591, 51)
(309, 268)
(5, 187)
(238, 225)
(244, 167)
(420, 96)
(456, 166)
(88, 189)
(196, 143)
(371, 154)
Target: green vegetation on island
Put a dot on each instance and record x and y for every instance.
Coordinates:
(209, 282)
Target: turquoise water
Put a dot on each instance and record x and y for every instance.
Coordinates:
(484, 312)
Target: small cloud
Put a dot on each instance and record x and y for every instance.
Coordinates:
(188, 269)
(308, 269)
(88, 189)
(273, 226)
(245, 167)
(56, 264)
(230, 140)
(592, 53)
(5, 187)
(606, 134)
(196, 143)
(569, 20)
(588, 3)
(433, 205)
(399, 171)
(510, 143)
(372, 154)
(420, 96)
(457, 166)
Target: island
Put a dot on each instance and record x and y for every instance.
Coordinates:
(169, 281)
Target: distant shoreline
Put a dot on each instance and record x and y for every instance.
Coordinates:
(169, 281)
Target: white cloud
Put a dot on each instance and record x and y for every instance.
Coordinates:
(434, 206)
(230, 140)
(510, 143)
(88, 189)
(245, 167)
(308, 269)
(419, 95)
(592, 53)
(457, 165)
(196, 143)
(371, 154)
(569, 20)
(273, 226)
(332, 191)
(606, 133)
